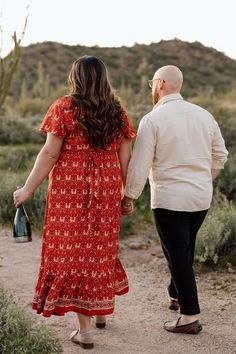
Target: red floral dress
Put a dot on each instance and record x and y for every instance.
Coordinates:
(80, 270)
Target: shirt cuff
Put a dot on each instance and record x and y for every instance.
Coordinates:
(217, 165)
(130, 194)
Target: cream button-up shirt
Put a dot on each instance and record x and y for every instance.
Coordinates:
(177, 145)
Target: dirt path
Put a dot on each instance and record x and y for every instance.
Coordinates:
(136, 326)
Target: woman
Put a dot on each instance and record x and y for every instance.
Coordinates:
(87, 151)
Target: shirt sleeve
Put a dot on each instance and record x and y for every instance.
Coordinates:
(219, 151)
(141, 160)
(129, 132)
(54, 120)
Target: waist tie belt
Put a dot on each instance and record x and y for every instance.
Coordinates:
(93, 176)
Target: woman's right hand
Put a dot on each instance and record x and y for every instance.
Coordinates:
(20, 196)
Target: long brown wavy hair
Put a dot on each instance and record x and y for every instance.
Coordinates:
(100, 111)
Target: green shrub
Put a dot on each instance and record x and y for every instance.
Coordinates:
(142, 205)
(142, 213)
(18, 335)
(19, 157)
(226, 182)
(216, 241)
(34, 206)
(15, 131)
(226, 119)
(127, 226)
(224, 115)
(32, 106)
(15, 164)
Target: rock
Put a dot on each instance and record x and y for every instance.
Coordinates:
(231, 270)
(138, 245)
(218, 287)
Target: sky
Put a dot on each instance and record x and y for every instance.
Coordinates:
(110, 23)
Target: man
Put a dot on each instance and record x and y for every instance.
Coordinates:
(181, 146)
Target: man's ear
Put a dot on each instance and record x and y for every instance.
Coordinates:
(161, 83)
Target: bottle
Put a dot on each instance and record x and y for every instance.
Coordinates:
(22, 228)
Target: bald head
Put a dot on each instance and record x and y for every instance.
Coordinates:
(172, 76)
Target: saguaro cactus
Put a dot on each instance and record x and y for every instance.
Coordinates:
(8, 66)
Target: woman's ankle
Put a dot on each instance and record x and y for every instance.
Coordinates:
(100, 318)
(84, 323)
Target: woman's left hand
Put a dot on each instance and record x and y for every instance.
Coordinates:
(20, 196)
(127, 206)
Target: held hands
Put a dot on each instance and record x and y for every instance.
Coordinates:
(127, 206)
(20, 196)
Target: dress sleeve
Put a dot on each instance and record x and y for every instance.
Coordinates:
(128, 132)
(54, 120)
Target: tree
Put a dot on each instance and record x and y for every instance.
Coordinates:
(8, 66)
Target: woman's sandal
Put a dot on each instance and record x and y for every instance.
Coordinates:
(100, 321)
(85, 340)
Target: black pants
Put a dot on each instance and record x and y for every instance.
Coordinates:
(178, 231)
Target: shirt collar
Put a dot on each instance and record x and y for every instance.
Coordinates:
(167, 98)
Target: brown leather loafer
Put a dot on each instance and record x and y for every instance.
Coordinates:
(174, 305)
(190, 328)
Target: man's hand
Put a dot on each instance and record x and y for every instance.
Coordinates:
(215, 173)
(127, 206)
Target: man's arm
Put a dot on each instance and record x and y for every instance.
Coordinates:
(140, 163)
(219, 152)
